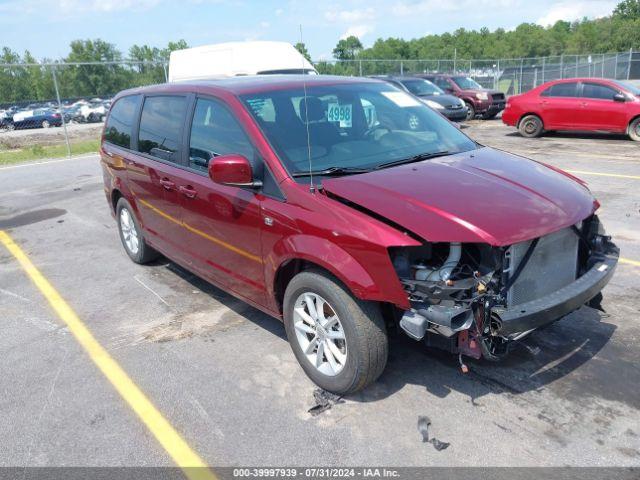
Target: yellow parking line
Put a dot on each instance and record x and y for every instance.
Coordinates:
(635, 263)
(600, 174)
(189, 461)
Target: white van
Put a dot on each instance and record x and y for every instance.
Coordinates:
(237, 58)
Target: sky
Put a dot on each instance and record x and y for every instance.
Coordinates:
(46, 27)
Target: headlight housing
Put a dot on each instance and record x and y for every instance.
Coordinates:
(482, 96)
(433, 104)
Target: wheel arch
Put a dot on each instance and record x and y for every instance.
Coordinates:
(633, 119)
(303, 252)
(116, 195)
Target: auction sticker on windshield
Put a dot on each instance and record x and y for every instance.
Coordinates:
(340, 113)
(401, 99)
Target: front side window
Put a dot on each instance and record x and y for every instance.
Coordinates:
(352, 126)
(595, 90)
(215, 131)
(161, 127)
(120, 121)
(569, 89)
(466, 83)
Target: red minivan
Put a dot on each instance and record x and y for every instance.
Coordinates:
(578, 104)
(346, 207)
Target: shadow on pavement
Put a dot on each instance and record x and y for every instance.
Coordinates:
(563, 347)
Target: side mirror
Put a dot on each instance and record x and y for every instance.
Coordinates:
(619, 97)
(234, 170)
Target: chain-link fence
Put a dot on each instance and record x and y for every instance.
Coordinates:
(511, 76)
(56, 109)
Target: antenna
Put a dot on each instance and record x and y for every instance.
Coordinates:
(312, 187)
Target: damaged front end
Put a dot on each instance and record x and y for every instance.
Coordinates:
(475, 299)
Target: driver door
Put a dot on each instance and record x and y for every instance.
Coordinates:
(222, 223)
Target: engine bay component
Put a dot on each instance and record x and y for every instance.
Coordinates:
(443, 273)
(478, 299)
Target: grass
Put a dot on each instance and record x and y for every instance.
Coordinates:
(37, 152)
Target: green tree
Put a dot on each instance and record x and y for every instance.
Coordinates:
(628, 9)
(302, 48)
(347, 48)
(101, 73)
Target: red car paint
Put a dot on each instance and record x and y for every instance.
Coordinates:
(479, 196)
(578, 113)
(241, 240)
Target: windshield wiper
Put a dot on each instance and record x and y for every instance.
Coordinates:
(332, 171)
(415, 158)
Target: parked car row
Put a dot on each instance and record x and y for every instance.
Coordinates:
(457, 97)
(48, 114)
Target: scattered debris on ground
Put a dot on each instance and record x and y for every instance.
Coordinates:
(423, 427)
(324, 401)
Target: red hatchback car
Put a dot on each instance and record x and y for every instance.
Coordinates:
(346, 207)
(579, 104)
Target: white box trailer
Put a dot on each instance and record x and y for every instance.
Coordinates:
(237, 58)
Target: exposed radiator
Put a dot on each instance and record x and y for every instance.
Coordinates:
(553, 265)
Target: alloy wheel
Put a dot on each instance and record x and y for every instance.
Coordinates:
(129, 231)
(320, 333)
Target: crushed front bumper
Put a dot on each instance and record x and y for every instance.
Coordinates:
(542, 311)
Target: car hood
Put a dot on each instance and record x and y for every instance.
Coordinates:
(443, 99)
(484, 195)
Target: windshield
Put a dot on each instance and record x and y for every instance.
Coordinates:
(629, 87)
(466, 83)
(351, 126)
(422, 87)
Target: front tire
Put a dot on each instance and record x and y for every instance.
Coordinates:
(634, 130)
(131, 234)
(531, 126)
(471, 111)
(339, 340)
(45, 124)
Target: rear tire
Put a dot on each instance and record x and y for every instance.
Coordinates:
(45, 124)
(354, 327)
(531, 126)
(489, 116)
(471, 111)
(131, 234)
(634, 130)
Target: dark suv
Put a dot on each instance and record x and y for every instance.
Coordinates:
(479, 100)
(433, 96)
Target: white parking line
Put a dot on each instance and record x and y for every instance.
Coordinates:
(46, 162)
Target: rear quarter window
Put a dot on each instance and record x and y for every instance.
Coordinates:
(120, 121)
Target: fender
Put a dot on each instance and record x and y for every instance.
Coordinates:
(379, 285)
(114, 174)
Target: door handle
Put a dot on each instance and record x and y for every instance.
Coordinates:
(188, 191)
(167, 184)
